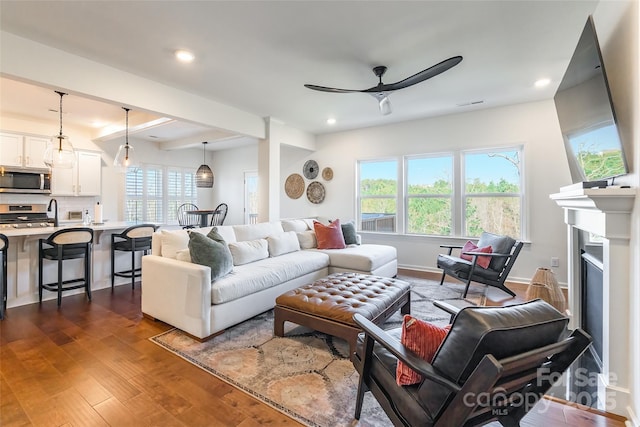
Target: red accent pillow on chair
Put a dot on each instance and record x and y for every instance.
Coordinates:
(423, 338)
(483, 261)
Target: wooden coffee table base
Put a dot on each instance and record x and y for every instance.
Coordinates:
(341, 329)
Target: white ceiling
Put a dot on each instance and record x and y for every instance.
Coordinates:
(257, 55)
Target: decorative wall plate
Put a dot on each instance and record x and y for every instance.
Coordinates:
(315, 192)
(310, 169)
(294, 186)
(327, 174)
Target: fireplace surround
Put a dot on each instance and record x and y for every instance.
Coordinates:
(605, 212)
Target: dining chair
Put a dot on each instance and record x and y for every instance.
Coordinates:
(186, 220)
(219, 215)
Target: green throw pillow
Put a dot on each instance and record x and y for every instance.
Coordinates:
(212, 251)
(349, 233)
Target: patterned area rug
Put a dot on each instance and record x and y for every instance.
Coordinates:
(306, 374)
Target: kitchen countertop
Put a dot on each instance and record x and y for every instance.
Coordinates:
(45, 231)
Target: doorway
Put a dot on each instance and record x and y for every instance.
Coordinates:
(251, 197)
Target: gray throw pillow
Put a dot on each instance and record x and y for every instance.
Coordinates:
(211, 251)
(349, 233)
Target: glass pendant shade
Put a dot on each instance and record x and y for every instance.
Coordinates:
(204, 174)
(59, 152)
(126, 157)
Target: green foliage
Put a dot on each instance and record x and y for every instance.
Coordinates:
(378, 187)
(602, 164)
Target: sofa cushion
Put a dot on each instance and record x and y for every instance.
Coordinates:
(257, 231)
(296, 225)
(307, 239)
(256, 276)
(226, 232)
(283, 243)
(329, 236)
(173, 241)
(210, 251)
(362, 258)
(349, 233)
(249, 251)
(183, 255)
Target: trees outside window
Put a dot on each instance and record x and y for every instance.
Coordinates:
(452, 194)
(378, 195)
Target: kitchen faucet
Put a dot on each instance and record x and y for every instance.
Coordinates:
(55, 218)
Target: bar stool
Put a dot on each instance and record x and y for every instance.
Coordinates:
(133, 239)
(4, 246)
(71, 243)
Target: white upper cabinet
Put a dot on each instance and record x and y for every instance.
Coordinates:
(34, 148)
(23, 151)
(11, 149)
(83, 180)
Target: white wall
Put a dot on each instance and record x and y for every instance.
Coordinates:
(617, 24)
(229, 167)
(533, 125)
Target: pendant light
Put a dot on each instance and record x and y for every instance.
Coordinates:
(59, 152)
(126, 157)
(204, 175)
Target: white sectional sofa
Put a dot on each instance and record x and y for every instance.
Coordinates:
(182, 294)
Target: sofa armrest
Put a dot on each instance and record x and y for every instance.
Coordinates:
(178, 293)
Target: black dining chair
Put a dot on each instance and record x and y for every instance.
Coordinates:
(186, 220)
(219, 215)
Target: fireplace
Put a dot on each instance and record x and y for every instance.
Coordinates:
(602, 307)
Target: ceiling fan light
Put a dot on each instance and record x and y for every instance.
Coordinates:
(385, 106)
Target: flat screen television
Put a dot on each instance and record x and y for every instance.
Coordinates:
(587, 117)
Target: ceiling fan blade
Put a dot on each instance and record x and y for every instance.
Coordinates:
(419, 77)
(331, 89)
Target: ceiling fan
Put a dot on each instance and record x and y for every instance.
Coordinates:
(381, 90)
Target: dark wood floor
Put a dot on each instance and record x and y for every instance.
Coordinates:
(91, 364)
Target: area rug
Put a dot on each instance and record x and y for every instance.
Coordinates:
(306, 374)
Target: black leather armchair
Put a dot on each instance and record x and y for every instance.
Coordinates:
(504, 255)
(495, 364)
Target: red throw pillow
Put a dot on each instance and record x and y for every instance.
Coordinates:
(329, 236)
(423, 338)
(483, 261)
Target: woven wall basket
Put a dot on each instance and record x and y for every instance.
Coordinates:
(545, 286)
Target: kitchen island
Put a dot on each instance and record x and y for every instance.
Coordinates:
(22, 264)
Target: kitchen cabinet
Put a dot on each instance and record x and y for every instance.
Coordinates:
(11, 148)
(84, 179)
(34, 148)
(23, 151)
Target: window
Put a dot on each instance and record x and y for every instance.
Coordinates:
(451, 194)
(378, 194)
(492, 192)
(153, 193)
(429, 199)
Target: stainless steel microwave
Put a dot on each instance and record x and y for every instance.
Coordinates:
(34, 181)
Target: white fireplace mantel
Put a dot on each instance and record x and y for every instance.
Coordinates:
(605, 212)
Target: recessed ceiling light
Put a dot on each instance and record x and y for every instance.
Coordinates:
(331, 121)
(184, 56)
(542, 83)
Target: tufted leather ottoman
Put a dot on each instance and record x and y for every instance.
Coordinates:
(328, 305)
